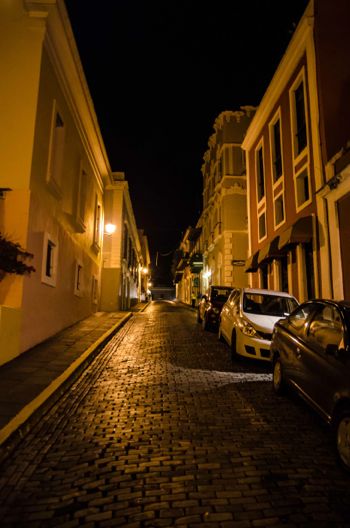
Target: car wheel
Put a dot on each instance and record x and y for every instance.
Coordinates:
(342, 429)
(277, 376)
(234, 345)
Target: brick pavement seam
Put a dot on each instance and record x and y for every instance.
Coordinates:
(35, 404)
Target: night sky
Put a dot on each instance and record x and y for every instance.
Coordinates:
(159, 73)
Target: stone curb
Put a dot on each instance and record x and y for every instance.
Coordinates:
(33, 407)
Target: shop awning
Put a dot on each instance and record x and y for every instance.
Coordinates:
(270, 251)
(252, 263)
(298, 233)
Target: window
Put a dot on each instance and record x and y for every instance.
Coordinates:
(326, 328)
(310, 271)
(97, 226)
(279, 210)
(56, 148)
(78, 283)
(81, 199)
(302, 188)
(298, 111)
(277, 168)
(94, 289)
(49, 260)
(284, 273)
(264, 275)
(260, 175)
(262, 225)
(299, 318)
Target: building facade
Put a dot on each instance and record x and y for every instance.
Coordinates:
(54, 178)
(224, 221)
(216, 250)
(123, 257)
(332, 48)
(298, 188)
(284, 168)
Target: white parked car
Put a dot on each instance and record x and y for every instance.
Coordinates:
(248, 317)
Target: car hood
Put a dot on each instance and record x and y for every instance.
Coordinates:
(264, 323)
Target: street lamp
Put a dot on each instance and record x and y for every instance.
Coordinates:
(110, 229)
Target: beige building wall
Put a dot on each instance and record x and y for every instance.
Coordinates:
(122, 252)
(53, 160)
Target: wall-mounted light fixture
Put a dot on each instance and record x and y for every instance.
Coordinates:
(110, 229)
(2, 191)
(145, 271)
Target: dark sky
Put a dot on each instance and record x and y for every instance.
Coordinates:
(159, 73)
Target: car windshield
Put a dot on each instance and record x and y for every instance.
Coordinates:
(220, 294)
(265, 304)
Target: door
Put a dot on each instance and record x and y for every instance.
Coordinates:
(344, 236)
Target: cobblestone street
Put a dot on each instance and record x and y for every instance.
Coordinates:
(163, 429)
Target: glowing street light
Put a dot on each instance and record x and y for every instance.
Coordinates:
(110, 229)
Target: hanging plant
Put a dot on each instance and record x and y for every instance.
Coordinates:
(13, 257)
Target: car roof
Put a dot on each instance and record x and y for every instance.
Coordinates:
(263, 291)
(339, 303)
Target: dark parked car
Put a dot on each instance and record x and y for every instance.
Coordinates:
(210, 306)
(311, 353)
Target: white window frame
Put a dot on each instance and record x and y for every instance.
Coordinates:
(79, 278)
(297, 174)
(260, 146)
(98, 222)
(49, 242)
(94, 289)
(260, 214)
(54, 170)
(81, 197)
(277, 117)
(301, 78)
(275, 198)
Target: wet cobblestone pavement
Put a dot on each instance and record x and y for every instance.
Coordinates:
(162, 429)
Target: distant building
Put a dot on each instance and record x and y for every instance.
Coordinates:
(60, 192)
(215, 251)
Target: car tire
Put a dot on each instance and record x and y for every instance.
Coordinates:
(277, 377)
(342, 437)
(234, 354)
(205, 324)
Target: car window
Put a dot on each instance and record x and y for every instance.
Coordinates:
(234, 296)
(326, 328)
(266, 304)
(298, 318)
(220, 294)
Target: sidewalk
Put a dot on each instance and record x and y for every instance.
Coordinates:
(32, 382)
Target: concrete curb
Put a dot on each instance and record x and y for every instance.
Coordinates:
(27, 411)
